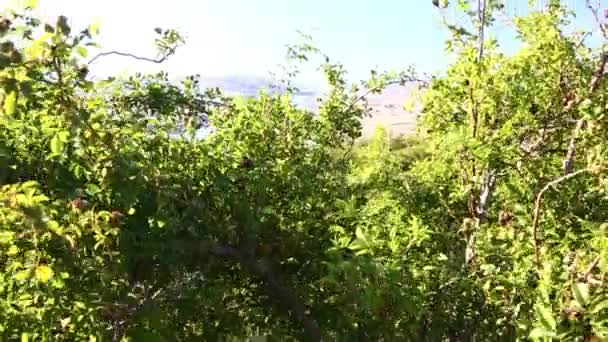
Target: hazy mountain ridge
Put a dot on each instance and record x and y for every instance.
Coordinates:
(387, 107)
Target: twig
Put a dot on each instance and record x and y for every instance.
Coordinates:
(285, 297)
(537, 208)
(591, 267)
(481, 9)
(400, 81)
(124, 54)
(596, 15)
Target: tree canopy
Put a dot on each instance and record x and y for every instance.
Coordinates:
(119, 223)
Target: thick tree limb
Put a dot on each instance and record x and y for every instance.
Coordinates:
(537, 209)
(286, 298)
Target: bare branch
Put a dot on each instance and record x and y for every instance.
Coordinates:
(485, 195)
(568, 162)
(400, 81)
(537, 209)
(596, 15)
(481, 12)
(591, 267)
(594, 84)
(284, 295)
(124, 54)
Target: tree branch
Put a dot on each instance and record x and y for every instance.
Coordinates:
(595, 12)
(594, 84)
(569, 161)
(485, 195)
(291, 302)
(124, 54)
(537, 208)
(401, 81)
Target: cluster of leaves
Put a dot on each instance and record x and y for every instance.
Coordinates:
(118, 222)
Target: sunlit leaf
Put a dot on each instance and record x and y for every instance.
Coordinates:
(94, 27)
(542, 333)
(581, 293)
(10, 103)
(92, 189)
(57, 145)
(31, 4)
(82, 51)
(43, 273)
(22, 275)
(545, 316)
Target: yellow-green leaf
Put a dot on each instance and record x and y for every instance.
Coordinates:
(43, 273)
(10, 103)
(581, 293)
(94, 27)
(22, 275)
(82, 51)
(6, 237)
(31, 3)
(56, 145)
(545, 316)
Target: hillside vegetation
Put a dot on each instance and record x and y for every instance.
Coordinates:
(490, 224)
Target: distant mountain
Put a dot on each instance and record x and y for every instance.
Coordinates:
(387, 107)
(388, 110)
(248, 86)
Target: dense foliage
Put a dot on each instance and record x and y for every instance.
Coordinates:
(119, 222)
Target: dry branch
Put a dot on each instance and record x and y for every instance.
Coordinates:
(124, 54)
(537, 208)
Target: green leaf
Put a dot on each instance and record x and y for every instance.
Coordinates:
(581, 293)
(131, 211)
(22, 275)
(10, 103)
(82, 51)
(545, 316)
(43, 273)
(57, 145)
(92, 189)
(360, 235)
(94, 27)
(541, 332)
(6, 237)
(599, 306)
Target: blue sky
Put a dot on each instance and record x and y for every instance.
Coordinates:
(248, 37)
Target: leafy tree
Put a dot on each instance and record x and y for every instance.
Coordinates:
(119, 222)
